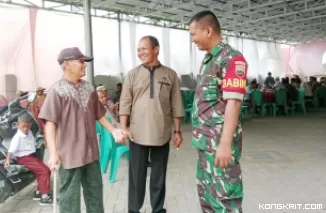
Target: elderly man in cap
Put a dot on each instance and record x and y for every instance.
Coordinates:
(70, 111)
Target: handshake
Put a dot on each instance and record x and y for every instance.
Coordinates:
(122, 136)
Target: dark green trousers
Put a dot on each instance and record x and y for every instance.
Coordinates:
(71, 180)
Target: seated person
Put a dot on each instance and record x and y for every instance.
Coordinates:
(278, 84)
(292, 92)
(323, 81)
(252, 86)
(22, 146)
(307, 89)
(249, 89)
(314, 84)
(111, 109)
(298, 81)
(294, 83)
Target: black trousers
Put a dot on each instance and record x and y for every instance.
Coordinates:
(138, 172)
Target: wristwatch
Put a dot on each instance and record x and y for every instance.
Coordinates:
(177, 132)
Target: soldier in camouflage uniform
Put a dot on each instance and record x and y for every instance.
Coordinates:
(217, 134)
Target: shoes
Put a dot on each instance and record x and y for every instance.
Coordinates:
(37, 196)
(47, 201)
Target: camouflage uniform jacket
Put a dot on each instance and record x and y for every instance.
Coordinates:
(222, 77)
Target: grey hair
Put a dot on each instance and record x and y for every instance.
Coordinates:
(101, 88)
(25, 118)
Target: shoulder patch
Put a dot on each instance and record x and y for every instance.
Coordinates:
(240, 69)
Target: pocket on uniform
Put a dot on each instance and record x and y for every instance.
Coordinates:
(228, 185)
(208, 88)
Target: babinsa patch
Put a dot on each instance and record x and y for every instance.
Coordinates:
(240, 69)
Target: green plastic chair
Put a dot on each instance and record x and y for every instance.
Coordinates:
(187, 100)
(321, 96)
(116, 152)
(110, 151)
(313, 101)
(318, 99)
(257, 97)
(300, 102)
(242, 112)
(246, 109)
(280, 101)
(104, 148)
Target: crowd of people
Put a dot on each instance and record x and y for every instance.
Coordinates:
(291, 85)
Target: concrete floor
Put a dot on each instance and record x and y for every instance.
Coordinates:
(283, 163)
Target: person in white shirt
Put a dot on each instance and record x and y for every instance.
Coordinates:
(308, 89)
(23, 148)
(278, 84)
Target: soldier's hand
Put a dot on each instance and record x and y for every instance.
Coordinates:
(223, 156)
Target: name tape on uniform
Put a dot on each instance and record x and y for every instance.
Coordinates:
(234, 83)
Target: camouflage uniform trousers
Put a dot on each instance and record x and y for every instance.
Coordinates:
(219, 190)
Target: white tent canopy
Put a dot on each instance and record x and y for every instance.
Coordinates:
(280, 20)
(256, 28)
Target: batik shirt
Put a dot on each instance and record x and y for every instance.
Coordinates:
(74, 109)
(222, 77)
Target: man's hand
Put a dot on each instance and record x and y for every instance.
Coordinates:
(118, 135)
(54, 161)
(128, 134)
(7, 163)
(223, 157)
(121, 136)
(177, 140)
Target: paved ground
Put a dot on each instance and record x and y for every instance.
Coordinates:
(283, 162)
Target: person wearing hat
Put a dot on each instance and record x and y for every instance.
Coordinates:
(39, 99)
(70, 111)
(40, 94)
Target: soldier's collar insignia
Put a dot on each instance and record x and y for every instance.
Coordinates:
(217, 49)
(207, 58)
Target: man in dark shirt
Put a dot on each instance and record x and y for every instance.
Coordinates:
(269, 81)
